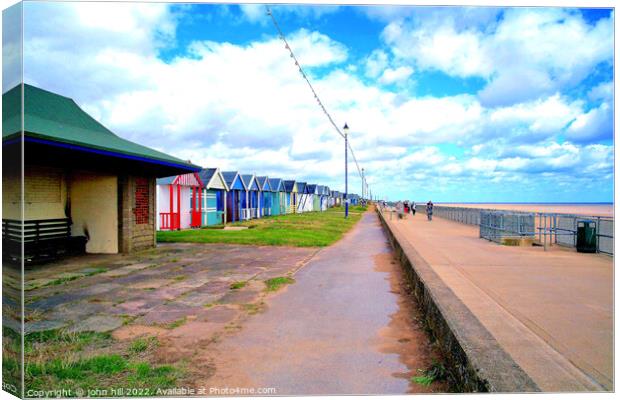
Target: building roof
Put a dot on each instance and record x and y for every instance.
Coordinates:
(276, 184)
(249, 181)
(289, 186)
(301, 187)
(52, 119)
(311, 188)
(208, 174)
(230, 177)
(263, 183)
(190, 179)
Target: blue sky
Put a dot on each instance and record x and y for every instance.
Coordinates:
(448, 104)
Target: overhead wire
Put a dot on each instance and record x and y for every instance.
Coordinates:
(314, 92)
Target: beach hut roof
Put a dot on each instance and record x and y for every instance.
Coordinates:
(249, 181)
(213, 178)
(191, 179)
(55, 120)
(276, 184)
(311, 188)
(263, 183)
(231, 178)
(289, 186)
(326, 190)
(301, 187)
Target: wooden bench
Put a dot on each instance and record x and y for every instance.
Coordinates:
(44, 239)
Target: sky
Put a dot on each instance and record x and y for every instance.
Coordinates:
(462, 104)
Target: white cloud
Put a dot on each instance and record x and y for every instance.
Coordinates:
(524, 57)
(245, 106)
(596, 124)
(397, 75)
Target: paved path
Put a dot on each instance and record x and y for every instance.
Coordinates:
(551, 311)
(343, 328)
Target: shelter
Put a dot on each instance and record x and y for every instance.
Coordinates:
(235, 198)
(179, 202)
(290, 188)
(214, 197)
(278, 196)
(89, 188)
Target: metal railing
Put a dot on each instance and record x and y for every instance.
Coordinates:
(548, 228)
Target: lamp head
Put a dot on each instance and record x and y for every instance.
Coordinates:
(345, 128)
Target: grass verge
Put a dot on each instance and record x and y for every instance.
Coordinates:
(90, 361)
(313, 229)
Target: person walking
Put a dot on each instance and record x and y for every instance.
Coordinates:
(429, 210)
(413, 208)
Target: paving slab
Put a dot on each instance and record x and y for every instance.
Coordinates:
(97, 323)
(552, 311)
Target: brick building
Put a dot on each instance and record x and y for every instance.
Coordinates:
(76, 170)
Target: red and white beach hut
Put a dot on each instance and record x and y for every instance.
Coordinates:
(179, 202)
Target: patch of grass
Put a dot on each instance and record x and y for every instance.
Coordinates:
(55, 360)
(98, 270)
(238, 285)
(140, 345)
(209, 305)
(176, 324)
(312, 229)
(61, 281)
(274, 284)
(180, 278)
(437, 372)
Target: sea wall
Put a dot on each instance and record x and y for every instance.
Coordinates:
(474, 359)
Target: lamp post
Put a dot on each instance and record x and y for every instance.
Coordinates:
(346, 169)
(363, 182)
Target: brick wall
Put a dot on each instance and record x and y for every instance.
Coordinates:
(137, 213)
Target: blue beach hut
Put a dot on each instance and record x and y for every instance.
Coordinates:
(264, 196)
(236, 194)
(252, 204)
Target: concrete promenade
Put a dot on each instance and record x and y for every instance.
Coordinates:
(552, 312)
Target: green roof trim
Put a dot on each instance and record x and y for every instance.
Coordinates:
(56, 118)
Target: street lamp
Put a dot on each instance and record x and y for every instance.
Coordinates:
(346, 169)
(363, 182)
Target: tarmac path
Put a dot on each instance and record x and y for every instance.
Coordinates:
(345, 327)
(552, 311)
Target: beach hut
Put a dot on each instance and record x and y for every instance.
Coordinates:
(323, 197)
(179, 202)
(84, 188)
(265, 196)
(214, 196)
(313, 197)
(252, 203)
(290, 188)
(302, 196)
(235, 198)
(278, 196)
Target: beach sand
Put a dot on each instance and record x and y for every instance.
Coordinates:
(602, 210)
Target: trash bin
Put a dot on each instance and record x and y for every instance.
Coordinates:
(586, 236)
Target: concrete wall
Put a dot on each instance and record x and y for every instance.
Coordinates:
(94, 210)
